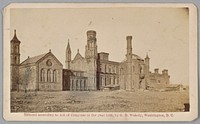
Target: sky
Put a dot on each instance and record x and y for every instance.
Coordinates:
(162, 32)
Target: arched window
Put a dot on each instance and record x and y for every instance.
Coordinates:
(76, 84)
(81, 85)
(109, 69)
(84, 85)
(141, 70)
(42, 75)
(16, 49)
(101, 80)
(54, 76)
(113, 69)
(133, 69)
(105, 81)
(121, 71)
(72, 85)
(100, 68)
(48, 75)
(15, 60)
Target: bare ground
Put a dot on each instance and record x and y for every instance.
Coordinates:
(99, 101)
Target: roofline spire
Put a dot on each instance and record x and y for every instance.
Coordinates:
(68, 46)
(15, 39)
(147, 57)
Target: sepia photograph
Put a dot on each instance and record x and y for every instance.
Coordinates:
(100, 62)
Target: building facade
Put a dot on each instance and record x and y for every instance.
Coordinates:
(159, 78)
(99, 72)
(85, 66)
(74, 80)
(41, 73)
(93, 71)
(107, 71)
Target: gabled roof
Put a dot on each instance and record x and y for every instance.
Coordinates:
(137, 57)
(134, 56)
(147, 57)
(78, 56)
(68, 47)
(38, 58)
(33, 59)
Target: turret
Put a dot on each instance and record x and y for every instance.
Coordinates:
(68, 56)
(165, 72)
(91, 36)
(156, 70)
(91, 57)
(91, 47)
(166, 76)
(15, 61)
(147, 60)
(15, 50)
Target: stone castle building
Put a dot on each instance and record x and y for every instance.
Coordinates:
(93, 71)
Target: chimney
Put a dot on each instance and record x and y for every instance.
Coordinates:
(165, 72)
(156, 70)
(129, 41)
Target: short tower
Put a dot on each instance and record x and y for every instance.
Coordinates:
(165, 76)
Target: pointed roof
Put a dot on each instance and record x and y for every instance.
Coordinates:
(147, 57)
(15, 39)
(78, 56)
(68, 47)
(134, 56)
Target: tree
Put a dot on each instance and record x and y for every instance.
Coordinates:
(27, 78)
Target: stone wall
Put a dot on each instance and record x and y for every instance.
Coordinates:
(14, 70)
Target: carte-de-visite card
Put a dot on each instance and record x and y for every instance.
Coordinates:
(100, 62)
